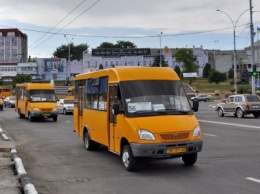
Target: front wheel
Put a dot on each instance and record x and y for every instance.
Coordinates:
(30, 117)
(128, 159)
(220, 112)
(190, 159)
(55, 119)
(64, 111)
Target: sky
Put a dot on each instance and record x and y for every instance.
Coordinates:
(50, 24)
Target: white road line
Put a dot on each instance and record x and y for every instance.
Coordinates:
(253, 179)
(232, 124)
(209, 135)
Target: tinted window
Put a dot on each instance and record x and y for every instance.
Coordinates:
(253, 98)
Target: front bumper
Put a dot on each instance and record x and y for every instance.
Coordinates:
(44, 114)
(160, 149)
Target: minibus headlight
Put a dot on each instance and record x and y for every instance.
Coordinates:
(196, 131)
(55, 109)
(145, 135)
(35, 109)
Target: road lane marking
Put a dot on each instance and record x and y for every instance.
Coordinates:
(253, 179)
(209, 134)
(232, 124)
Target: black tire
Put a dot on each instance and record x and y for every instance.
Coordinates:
(89, 144)
(128, 159)
(240, 113)
(256, 115)
(20, 114)
(64, 111)
(1, 108)
(31, 119)
(190, 159)
(220, 112)
(55, 119)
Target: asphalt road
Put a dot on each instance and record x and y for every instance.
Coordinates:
(57, 162)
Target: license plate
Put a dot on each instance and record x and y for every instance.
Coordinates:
(46, 115)
(255, 106)
(176, 150)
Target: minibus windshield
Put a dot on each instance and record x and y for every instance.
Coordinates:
(154, 97)
(42, 96)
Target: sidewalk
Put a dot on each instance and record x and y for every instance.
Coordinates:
(9, 181)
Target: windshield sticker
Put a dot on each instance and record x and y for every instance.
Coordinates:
(157, 107)
(140, 106)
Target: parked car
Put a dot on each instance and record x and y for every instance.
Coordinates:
(9, 101)
(65, 106)
(1, 103)
(240, 105)
(201, 97)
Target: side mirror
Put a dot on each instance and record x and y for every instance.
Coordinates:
(115, 109)
(195, 105)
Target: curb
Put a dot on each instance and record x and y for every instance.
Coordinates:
(28, 187)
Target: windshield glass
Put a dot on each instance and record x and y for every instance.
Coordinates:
(42, 96)
(68, 101)
(12, 97)
(154, 97)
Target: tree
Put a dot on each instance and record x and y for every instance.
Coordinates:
(21, 78)
(177, 70)
(106, 45)
(119, 44)
(124, 44)
(188, 60)
(156, 61)
(76, 52)
(101, 66)
(206, 70)
(217, 77)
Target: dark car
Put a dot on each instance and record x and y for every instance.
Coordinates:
(9, 101)
(201, 97)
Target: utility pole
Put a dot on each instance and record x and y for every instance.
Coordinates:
(160, 49)
(252, 45)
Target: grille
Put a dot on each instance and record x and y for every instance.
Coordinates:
(175, 136)
(46, 109)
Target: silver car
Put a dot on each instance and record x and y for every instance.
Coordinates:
(240, 105)
(66, 106)
(9, 101)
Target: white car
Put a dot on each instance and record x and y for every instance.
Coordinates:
(201, 97)
(9, 101)
(65, 106)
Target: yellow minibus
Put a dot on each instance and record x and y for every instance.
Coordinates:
(36, 100)
(137, 112)
(70, 93)
(5, 91)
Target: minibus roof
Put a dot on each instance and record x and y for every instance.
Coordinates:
(132, 73)
(36, 86)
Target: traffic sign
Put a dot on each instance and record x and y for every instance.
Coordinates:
(255, 73)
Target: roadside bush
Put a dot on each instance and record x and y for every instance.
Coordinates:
(244, 90)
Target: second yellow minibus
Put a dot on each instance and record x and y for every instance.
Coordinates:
(36, 100)
(137, 112)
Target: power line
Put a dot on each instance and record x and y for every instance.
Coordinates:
(66, 25)
(58, 23)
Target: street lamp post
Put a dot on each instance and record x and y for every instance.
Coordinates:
(160, 35)
(234, 23)
(69, 54)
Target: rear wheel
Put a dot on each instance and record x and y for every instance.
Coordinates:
(190, 159)
(128, 159)
(89, 144)
(220, 112)
(20, 114)
(240, 113)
